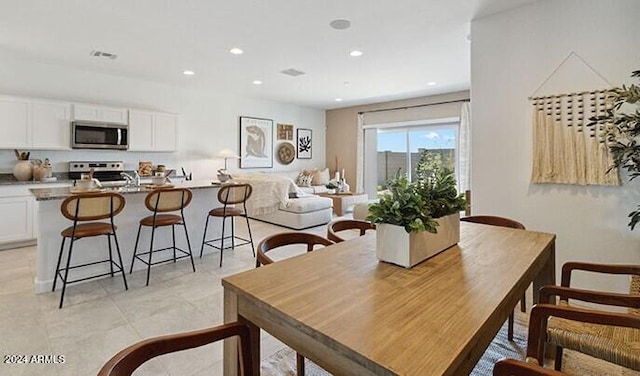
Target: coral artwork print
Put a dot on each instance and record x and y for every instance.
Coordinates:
(304, 141)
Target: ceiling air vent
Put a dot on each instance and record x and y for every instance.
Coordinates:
(292, 72)
(106, 55)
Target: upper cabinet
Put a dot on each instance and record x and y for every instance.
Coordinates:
(14, 122)
(152, 131)
(51, 125)
(92, 112)
(34, 124)
(30, 123)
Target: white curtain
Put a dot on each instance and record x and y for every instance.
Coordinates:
(370, 161)
(360, 155)
(464, 152)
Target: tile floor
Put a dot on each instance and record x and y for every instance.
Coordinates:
(100, 318)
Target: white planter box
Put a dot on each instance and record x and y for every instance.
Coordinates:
(395, 245)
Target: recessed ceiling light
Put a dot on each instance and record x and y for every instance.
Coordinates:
(338, 99)
(431, 83)
(236, 51)
(355, 53)
(188, 73)
(257, 82)
(340, 24)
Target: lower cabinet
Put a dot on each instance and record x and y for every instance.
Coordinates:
(18, 222)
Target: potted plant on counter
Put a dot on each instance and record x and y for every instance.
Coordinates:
(417, 220)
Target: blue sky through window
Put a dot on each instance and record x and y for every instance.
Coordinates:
(426, 139)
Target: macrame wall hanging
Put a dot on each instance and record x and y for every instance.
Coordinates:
(567, 149)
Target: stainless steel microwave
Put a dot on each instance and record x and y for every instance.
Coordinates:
(95, 135)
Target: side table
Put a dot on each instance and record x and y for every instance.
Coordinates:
(342, 201)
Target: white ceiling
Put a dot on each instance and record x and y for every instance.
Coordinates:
(406, 44)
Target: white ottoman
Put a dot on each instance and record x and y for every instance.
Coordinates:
(301, 213)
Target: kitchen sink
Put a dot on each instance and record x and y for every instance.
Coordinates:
(115, 183)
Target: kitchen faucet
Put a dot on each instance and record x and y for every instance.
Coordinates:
(135, 179)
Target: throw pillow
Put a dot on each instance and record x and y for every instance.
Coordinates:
(321, 177)
(304, 180)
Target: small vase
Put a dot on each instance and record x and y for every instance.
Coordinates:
(23, 170)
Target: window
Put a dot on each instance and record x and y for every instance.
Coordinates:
(409, 148)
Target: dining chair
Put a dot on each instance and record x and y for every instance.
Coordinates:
(86, 210)
(125, 362)
(161, 202)
(540, 319)
(284, 239)
(513, 367)
(287, 238)
(347, 224)
(501, 222)
(230, 196)
(607, 340)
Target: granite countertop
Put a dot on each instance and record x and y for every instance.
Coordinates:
(9, 179)
(44, 194)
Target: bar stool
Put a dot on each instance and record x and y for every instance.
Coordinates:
(163, 201)
(229, 196)
(84, 208)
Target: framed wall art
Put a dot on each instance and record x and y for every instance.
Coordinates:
(256, 142)
(285, 132)
(304, 143)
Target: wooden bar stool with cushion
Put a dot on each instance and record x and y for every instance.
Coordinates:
(283, 239)
(502, 222)
(347, 224)
(230, 196)
(83, 208)
(164, 201)
(128, 360)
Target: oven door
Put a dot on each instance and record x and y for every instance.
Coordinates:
(86, 135)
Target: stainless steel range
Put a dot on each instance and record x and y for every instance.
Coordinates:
(103, 171)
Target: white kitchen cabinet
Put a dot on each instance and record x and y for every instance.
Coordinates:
(14, 123)
(18, 222)
(152, 131)
(90, 112)
(51, 125)
(34, 124)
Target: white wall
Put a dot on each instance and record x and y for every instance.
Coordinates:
(512, 53)
(209, 119)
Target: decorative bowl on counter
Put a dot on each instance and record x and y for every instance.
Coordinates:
(158, 180)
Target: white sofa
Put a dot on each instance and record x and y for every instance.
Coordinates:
(294, 208)
(293, 175)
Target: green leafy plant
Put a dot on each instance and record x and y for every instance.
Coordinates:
(440, 194)
(415, 206)
(622, 131)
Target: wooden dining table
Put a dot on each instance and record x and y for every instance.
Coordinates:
(352, 314)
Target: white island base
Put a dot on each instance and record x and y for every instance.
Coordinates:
(51, 223)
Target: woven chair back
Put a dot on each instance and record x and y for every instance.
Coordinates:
(168, 200)
(234, 194)
(91, 207)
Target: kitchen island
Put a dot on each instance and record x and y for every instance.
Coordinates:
(51, 223)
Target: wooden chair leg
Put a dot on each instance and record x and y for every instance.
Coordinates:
(510, 327)
(558, 361)
(523, 302)
(299, 365)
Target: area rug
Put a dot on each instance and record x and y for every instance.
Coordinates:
(283, 362)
